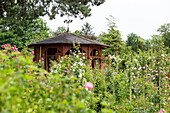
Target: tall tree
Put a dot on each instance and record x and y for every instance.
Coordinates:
(164, 31)
(87, 29)
(135, 41)
(24, 35)
(17, 16)
(112, 38)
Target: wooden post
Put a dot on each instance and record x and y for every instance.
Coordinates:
(130, 93)
(159, 80)
(40, 54)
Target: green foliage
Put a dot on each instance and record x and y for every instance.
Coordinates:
(164, 31)
(77, 32)
(136, 42)
(20, 23)
(23, 35)
(29, 10)
(59, 31)
(87, 29)
(112, 38)
(26, 87)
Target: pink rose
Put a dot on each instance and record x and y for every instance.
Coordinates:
(89, 85)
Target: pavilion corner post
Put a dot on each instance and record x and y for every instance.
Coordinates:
(40, 52)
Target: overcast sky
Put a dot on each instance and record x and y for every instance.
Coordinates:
(142, 17)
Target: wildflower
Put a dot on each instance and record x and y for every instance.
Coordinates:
(3, 46)
(19, 53)
(162, 111)
(8, 45)
(168, 57)
(32, 53)
(68, 58)
(45, 82)
(27, 72)
(106, 62)
(15, 49)
(68, 65)
(153, 57)
(89, 85)
(14, 46)
(152, 103)
(167, 75)
(164, 73)
(66, 70)
(80, 75)
(158, 63)
(162, 55)
(42, 59)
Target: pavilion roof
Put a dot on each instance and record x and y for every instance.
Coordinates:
(69, 38)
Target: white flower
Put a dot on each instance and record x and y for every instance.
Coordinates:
(80, 75)
(162, 55)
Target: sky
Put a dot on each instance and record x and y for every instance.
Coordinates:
(142, 17)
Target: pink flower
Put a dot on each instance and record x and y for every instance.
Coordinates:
(3, 46)
(45, 82)
(161, 111)
(12, 48)
(89, 85)
(32, 52)
(66, 70)
(158, 63)
(68, 58)
(153, 57)
(68, 65)
(15, 49)
(27, 72)
(42, 59)
(8, 45)
(19, 53)
(164, 73)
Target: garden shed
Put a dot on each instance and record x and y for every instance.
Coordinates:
(60, 45)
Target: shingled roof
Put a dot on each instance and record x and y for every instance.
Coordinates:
(68, 38)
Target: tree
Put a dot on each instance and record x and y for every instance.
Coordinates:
(164, 31)
(59, 31)
(87, 29)
(22, 12)
(18, 17)
(24, 35)
(86, 32)
(112, 38)
(135, 41)
(77, 32)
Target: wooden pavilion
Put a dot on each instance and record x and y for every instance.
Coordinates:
(60, 45)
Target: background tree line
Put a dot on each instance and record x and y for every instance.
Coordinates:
(20, 24)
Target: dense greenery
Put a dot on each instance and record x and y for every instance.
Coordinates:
(26, 87)
(20, 22)
(112, 38)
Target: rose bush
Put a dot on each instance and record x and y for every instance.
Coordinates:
(139, 84)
